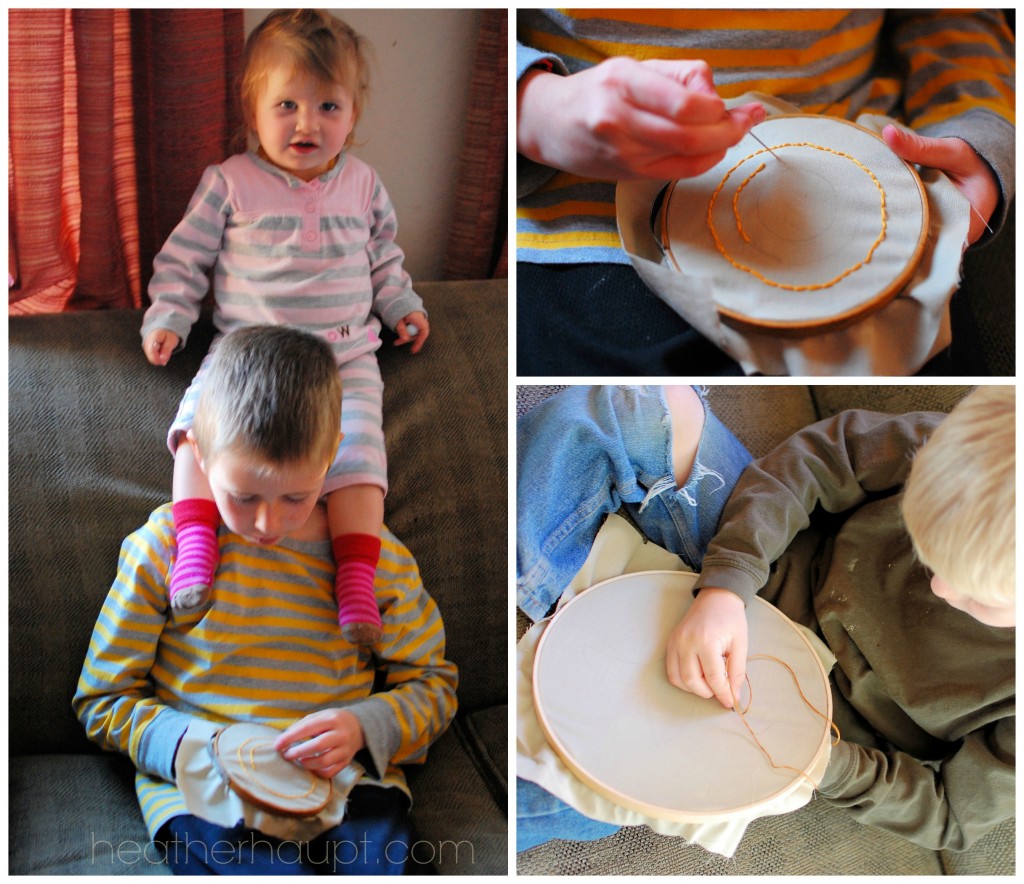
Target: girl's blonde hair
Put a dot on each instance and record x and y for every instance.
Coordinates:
(271, 393)
(959, 501)
(317, 44)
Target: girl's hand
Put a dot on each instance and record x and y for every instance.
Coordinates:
(418, 319)
(159, 344)
(707, 651)
(629, 119)
(954, 156)
(324, 742)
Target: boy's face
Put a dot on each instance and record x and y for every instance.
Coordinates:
(302, 124)
(264, 506)
(990, 615)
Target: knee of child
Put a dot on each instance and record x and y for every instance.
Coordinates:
(686, 413)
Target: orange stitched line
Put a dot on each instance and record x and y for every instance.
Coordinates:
(252, 767)
(742, 714)
(782, 285)
(736, 199)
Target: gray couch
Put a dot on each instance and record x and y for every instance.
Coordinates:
(818, 839)
(88, 463)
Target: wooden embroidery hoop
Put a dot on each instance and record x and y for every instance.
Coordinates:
(685, 199)
(605, 706)
(244, 755)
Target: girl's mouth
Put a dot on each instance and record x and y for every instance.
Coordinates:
(303, 146)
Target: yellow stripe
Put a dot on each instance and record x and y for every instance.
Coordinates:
(950, 78)
(946, 111)
(568, 240)
(941, 39)
(569, 207)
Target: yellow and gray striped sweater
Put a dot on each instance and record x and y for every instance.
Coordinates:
(943, 72)
(265, 649)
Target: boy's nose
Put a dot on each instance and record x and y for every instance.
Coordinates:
(266, 520)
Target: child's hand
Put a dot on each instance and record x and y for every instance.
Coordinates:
(629, 119)
(707, 651)
(969, 172)
(418, 319)
(159, 344)
(324, 742)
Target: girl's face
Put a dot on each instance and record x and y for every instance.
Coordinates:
(302, 124)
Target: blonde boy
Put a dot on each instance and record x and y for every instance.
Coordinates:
(924, 684)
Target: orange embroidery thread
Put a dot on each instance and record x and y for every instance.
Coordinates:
(739, 226)
(249, 772)
(742, 714)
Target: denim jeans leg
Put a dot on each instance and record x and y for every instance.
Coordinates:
(540, 816)
(587, 451)
(684, 520)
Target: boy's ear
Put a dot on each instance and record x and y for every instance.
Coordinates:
(195, 450)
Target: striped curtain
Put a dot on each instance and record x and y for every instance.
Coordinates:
(111, 120)
(478, 240)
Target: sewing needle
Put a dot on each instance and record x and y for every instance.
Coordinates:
(765, 146)
(983, 221)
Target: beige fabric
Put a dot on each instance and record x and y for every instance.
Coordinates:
(208, 796)
(896, 339)
(806, 216)
(619, 549)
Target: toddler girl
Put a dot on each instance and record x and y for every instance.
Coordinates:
(301, 233)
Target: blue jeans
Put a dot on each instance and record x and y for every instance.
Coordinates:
(375, 838)
(540, 817)
(582, 454)
(586, 452)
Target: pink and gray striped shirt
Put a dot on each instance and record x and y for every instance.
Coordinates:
(318, 255)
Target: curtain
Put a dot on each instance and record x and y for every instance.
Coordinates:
(70, 159)
(186, 63)
(478, 241)
(113, 114)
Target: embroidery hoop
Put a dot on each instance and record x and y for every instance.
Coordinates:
(244, 755)
(606, 707)
(815, 215)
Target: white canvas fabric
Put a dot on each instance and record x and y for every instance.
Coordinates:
(642, 751)
(810, 216)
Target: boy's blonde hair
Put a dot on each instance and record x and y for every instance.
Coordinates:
(959, 501)
(318, 44)
(271, 393)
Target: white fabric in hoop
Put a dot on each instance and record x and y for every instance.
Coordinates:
(651, 754)
(895, 338)
(829, 226)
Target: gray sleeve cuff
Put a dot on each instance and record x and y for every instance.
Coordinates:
(159, 743)
(380, 730)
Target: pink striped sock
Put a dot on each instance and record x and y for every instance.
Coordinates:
(196, 521)
(356, 556)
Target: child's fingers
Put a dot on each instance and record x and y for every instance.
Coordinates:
(716, 675)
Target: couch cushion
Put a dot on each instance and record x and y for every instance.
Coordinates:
(88, 461)
(77, 815)
(818, 839)
(460, 828)
(761, 417)
(890, 399)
